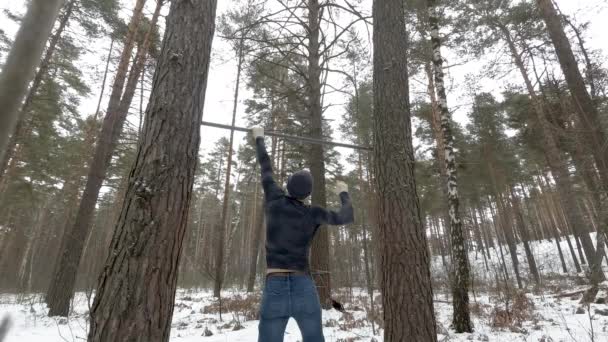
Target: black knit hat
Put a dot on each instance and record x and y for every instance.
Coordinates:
(299, 185)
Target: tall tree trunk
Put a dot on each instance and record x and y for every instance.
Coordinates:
(495, 224)
(555, 159)
(460, 262)
(22, 126)
(596, 271)
(435, 121)
(588, 63)
(105, 78)
(21, 63)
(369, 279)
(507, 227)
(31, 247)
(407, 294)
(488, 239)
(140, 123)
(477, 232)
(221, 233)
(62, 285)
(319, 261)
(199, 233)
(147, 242)
(525, 237)
(588, 115)
(16, 245)
(546, 220)
(479, 239)
(257, 228)
(558, 226)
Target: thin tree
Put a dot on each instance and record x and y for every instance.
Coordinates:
(319, 261)
(62, 286)
(407, 295)
(460, 262)
(136, 290)
(241, 50)
(22, 61)
(256, 228)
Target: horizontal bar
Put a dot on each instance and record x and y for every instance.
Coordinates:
(289, 137)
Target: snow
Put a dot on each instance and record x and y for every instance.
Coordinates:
(545, 253)
(551, 317)
(554, 318)
(30, 323)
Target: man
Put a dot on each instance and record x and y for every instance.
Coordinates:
(290, 227)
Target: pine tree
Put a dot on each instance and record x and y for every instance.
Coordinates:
(148, 237)
(46, 158)
(62, 286)
(406, 286)
(22, 61)
(84, 14)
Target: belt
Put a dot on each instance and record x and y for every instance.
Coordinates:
(285, 274)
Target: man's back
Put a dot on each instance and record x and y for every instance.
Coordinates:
(291, 224)
(289, 232)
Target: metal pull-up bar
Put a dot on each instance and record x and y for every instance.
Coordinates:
(289, 137)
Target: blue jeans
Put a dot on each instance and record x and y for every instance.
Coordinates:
(290, 296)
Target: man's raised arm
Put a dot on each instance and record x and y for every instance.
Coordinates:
(337, 218)
(271, 190)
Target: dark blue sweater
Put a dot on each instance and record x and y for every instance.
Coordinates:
(291, 224)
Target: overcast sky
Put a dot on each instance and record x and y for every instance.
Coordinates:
(219, 97)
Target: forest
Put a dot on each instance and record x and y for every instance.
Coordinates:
(472, 136)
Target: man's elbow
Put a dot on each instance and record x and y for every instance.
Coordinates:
(348, 217)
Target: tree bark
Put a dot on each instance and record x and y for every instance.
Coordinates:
(460, 262)
(62, 285)
(319, 260)
(407, 294)
(21, 63)
(136, 290)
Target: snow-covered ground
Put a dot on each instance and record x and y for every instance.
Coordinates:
(549, 319)
(545, 315)
(545, 254)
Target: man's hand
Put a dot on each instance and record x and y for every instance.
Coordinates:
(257, 132)
(341, 187)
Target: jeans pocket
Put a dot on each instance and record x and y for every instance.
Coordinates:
(273, 308)
(275, 288)
(306, 301)
(275, 302)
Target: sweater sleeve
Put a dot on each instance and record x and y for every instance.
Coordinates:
(336, 218)
(271, 190)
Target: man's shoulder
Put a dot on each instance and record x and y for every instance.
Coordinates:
(278, 198)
